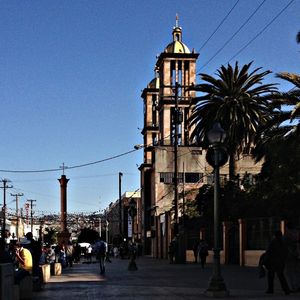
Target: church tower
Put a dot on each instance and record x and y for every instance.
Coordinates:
(176, 67)
(167, 108)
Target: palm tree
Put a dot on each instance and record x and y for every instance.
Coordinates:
(285, 121)
(236, 99)
(298, 37)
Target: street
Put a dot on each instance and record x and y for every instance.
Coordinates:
(154, 278)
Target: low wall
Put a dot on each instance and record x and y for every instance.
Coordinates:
(6, 281)
(252, 257)
(190, 256)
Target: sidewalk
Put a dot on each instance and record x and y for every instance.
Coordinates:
(154, 279)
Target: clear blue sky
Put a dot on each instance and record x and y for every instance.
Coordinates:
(71, 75)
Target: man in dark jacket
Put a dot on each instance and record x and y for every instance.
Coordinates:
(276, 255)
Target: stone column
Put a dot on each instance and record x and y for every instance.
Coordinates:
(63, 202)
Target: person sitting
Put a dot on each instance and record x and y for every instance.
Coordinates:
(5, 256)
(24, 260)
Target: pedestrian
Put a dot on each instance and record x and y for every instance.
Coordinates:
(62, 255)
(77, 253)
(203, 252)
(116, 252)
(276, 255)
(292, 262)
(5, 256)
(196, 250)
(89, 251)
(51, 258)
(35, 249)
(101, 250)
(172, 250)
(69, 254)
(108, 254)
(43, 258)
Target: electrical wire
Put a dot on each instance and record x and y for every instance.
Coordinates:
(221, 23)
(72, 167)
(81, 165)
(260, 32)
(231, 38)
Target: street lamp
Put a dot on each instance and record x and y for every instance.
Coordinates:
(120, 205)
(216, 157)
(132, 211)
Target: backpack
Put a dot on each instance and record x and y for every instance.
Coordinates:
(101, 249)
(203, 250)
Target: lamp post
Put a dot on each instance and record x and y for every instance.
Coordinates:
(120, 205)
(132, 211)
(216, 157)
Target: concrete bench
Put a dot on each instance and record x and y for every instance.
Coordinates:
(57, 269)
(46, 272)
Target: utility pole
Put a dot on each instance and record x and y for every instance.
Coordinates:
(4, 187)
(17, 211)
(31, 213)
(120, 203)
(176, 123)
(177, 118)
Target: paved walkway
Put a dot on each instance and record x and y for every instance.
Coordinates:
(154, 279)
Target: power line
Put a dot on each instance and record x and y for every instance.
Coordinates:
(81, 165)
(231, 38)
(259, 33)
(224, 19)
(72, 167)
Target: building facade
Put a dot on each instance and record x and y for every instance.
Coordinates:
(173, 169)
(123, 225)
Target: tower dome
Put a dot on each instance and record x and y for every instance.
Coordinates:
(177, 46)
(154, 83)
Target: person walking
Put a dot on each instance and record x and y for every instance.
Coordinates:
(172, 250)
(203, 252)
(196, 250)
(290, 238)
(101, 250)
(89, 251)
(276, 255)
(69, 254)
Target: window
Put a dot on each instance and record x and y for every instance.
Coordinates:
(154, 110)
(168, 177)
(173, 73)
(154, 139)
(193, 177)
(176, 118)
